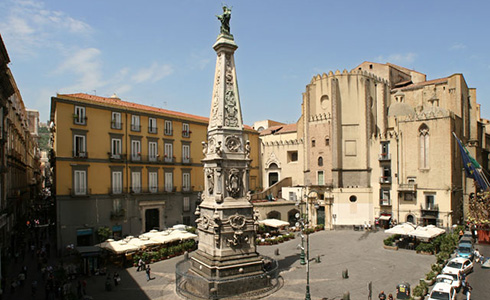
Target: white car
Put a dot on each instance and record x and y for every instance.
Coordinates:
(442, 291)
(453, 280)
(458, 264)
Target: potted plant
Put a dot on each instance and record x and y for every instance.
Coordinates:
(418, 293)
(430, 278)
(389, 243)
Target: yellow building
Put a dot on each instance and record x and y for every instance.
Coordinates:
(126, 166)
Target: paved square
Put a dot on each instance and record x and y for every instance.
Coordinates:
(362, 253)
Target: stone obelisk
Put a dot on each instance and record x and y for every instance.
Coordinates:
(226, 262)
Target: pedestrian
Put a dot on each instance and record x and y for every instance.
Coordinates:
(84, 287)
(382, 296)
(141, 265)
(390, 297)
(467, 289)
(117, 279)
(148, 270)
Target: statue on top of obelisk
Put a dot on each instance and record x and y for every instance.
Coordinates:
(225, 20)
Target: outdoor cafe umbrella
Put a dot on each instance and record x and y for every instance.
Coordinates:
(426, 233)
(274, 223)
(118, 247)
(402, 229)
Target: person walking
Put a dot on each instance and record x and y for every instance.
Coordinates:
(148, 271)
(117, 279)
(382, 296)
(141, 265)
(467, 289)
(390, 297)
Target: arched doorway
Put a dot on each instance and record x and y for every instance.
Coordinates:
(274, 215)
(152, 219)
(292, 217)
(410, 219)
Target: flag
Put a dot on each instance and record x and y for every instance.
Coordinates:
(471, 167)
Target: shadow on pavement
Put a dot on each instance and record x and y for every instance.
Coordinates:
(286, 262)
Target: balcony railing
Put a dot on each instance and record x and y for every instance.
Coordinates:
(384, 157)
(135, 127)
(186, 160)
(430, 207)
(116, 125)
(186, 133)
(116, 157)
(186, 189)
(136, 157)
(170, 189)
(431, 211)
(385, 179)
(168, 131)
(384, 202)
(152, 129)
(407, 187)
(80, 192)
(78, 154)
(169, 159)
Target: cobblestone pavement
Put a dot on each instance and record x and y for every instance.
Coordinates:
(362, 253)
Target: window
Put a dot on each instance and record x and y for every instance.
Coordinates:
(117, 182)
(152, 125)
(384, 197)
(186, 220)
(312, 143)
(186, 153)
(186, 204)
(320, 161)
(116, 148)
(116, 205)
(292, 196)
(186, 182)
(168, 152)
(116, 120)
(80, 182)
(424, 146)
(385, 150)
(430, 201)
(185, 130)
(321, 180)
(79, 115)
(168, 127)
(386, 175)
(152, 151)
(153, 182)
(135, 123)
(327, 141)
(353, 198)
(136, 182)
(292, 156)
(169, 184)
(79, 146)
(135, 150)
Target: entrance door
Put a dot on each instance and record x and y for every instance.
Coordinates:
(152, 219)
(320, 215)
(273, 178)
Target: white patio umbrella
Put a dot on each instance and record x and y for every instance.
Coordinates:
(117, 247)
(426, 233)
(274, 223)
(402, 229)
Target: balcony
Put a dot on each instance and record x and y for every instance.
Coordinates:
(135, 127)
(186, 133)
(168, 131)
(114, 191)
(385, 202)
(152, 130)
(407, 187)
(136, 157)
(80, 193)
(187, 189)
(385, 179)
(136, 190)
(429, 211)
(186, 160)
(116, 125)
(384, 157)
(119, 214)
(170, 189)
(169, 159)
(116, 157)
(79, 154)
(78, 120)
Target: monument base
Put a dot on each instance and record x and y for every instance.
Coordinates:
(233, 278)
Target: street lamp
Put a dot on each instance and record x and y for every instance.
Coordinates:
(305, 224)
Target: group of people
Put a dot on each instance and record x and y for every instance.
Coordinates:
(143, 266)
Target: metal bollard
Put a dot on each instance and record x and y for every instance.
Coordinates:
(276, 252)
(346, 296)
(318, 260)
(345, 274)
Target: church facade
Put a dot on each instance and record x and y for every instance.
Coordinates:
(376, 145)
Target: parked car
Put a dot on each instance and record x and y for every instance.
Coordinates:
(442, 291)
(467, 235)
(458, 264)
(452, 279)
(467, 241)
(465, 251)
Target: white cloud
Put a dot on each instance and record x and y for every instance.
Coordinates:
(398, 58)
(86, 65)
(458, 46)
(153, 73)
(27, 26)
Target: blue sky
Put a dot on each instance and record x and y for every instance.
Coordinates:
(160, 52)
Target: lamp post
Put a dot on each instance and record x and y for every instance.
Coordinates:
(305, 224)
